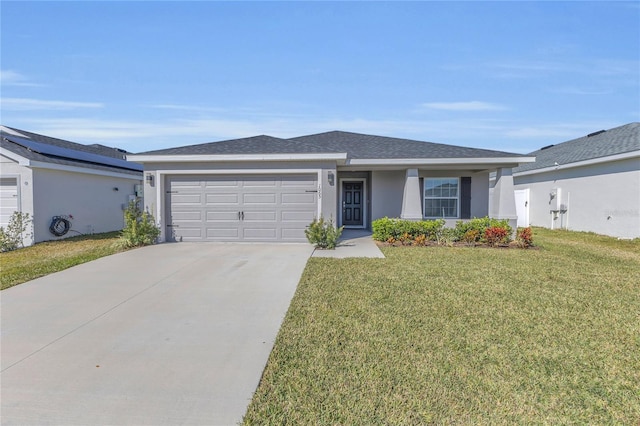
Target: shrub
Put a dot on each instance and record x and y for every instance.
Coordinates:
(479, 224)
(420, 240)
(524, 238)
(323, 234)
(140, 228)
(471, 237)
(446, 236)
(386, 228)
(13, 237)
(496, 235)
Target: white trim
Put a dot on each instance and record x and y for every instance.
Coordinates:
(22, 161)
(458, 198)
(592, 161)
(364, 202)
(438, 161)
(73, 169)
(233, 157)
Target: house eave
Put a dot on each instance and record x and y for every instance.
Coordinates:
(340, 158)
(592, 161)
(486, 162)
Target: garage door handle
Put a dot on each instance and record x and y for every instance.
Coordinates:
(242, 215)
(311, 190)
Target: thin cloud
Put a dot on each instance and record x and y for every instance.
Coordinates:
(13, 78)
(26, 104)
(464, 106)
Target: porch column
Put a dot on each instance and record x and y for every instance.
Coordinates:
(503, 203)
(411, 205)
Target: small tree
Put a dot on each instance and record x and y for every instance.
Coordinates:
(13, 237)
(140, 227)
(323, 234)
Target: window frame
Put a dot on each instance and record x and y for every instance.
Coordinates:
(457, 197)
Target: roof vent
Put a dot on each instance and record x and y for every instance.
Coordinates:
(595, 133)
(546, 147)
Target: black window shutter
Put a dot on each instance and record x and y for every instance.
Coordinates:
(465, 197)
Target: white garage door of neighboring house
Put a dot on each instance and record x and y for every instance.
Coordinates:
(241, 208)
(8, 199)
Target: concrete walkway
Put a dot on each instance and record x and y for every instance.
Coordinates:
(164, 335)
(353, 243)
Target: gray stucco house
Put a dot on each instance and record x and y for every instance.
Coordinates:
(591, 183)
(264, 188)
(48, 177)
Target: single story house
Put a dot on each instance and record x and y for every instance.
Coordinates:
(591, 183)
(264, 188)
(85, 187)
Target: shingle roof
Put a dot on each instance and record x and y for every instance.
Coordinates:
(363, 146)
(355, 145)
(618, 140)
(262, 144)
(101, 150)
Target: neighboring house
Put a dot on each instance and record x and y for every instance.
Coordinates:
(587, 184)
(48, 177)
(269, 189)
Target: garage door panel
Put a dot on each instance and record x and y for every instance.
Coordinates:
(299, 198)
(222, 183)
(301, 181)
(185, 184)
(221, 215)
(294, 234)
(260, 216)
(188, 215)
(186, 199)
(297, 216)
(226, 233)
(246, 208)
(260, 233)
(257, 198)
(187, 234)
(259, 182)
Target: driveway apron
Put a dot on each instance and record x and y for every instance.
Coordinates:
(163, 335)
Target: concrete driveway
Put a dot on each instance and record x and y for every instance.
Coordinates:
(169, 334)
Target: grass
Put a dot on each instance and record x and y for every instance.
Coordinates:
(41, 259)
(444, 335)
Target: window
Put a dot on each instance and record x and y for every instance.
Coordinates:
(441, 197)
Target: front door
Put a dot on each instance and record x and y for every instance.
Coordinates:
(352, 204)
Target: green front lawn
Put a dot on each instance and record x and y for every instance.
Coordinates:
(462, 335)
(28, 263)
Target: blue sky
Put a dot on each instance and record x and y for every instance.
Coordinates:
(512, 76)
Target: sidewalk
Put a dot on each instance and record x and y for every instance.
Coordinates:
(352, 243)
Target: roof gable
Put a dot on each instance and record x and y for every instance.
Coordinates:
(619, 140)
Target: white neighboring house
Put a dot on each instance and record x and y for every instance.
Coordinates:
(48, 177)
(587, 184)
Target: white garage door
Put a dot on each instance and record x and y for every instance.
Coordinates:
(8, 199)
(241, 208)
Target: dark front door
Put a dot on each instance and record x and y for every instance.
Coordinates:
(352, 207)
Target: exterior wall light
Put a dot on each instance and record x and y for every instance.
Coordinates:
(149, 179)
(332, 178)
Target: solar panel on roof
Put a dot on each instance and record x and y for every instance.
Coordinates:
(71, 154)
